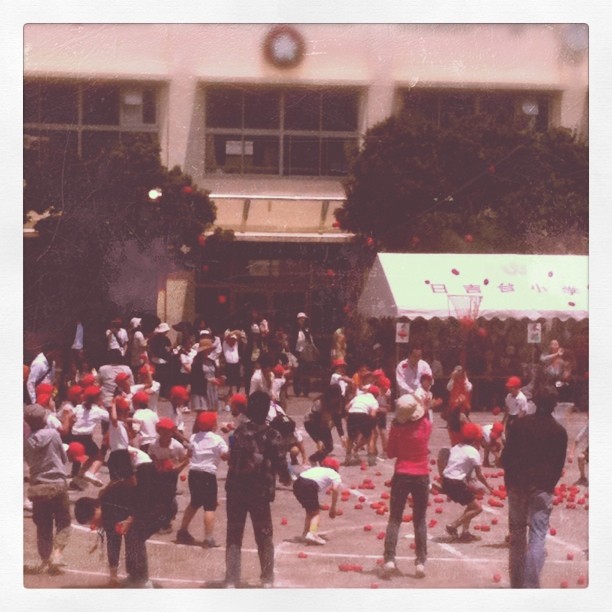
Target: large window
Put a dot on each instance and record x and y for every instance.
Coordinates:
(84, 118)
(442, 107)
(278, 131)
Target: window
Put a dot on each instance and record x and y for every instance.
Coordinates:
(442, 107)
(84, 118)
(290, 132)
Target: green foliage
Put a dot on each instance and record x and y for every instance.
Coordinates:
(101, 211)
(475, 186)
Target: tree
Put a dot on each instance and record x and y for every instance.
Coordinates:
(475, 186)
(122, 210)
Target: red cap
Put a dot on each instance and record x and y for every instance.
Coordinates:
(165, 423)
(331, 462)
(383, 382)
(43, 399)
(374, 390)
(179, 393)
(206, 421)
(45, 388)
(497, 430)
(140, 397)
(121, 377)
(76, 452)
(513, 381)
(238, 398)
(92, 392)
(146, 369)
(87, 380)
(336, 363)
(278, 369)
(471, 432)
(122, 403)
(74, 393)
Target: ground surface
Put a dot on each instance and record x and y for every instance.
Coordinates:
(481, 564)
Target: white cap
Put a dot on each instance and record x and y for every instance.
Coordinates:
(135, 322)
(162, 328)
(302, 315)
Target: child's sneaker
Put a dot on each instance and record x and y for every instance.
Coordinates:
(420, 570)
(466, 536)
(90, 477)
(184, 537)
(389, 568)
(313, 538)
(210, 543)
(452, 531)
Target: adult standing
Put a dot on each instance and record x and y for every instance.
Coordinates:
(409, 444)
(117, 337)
(533, 459)
(160, 349)
(48, 489)
(203, 378)
(303, 347)
(137, 344)
(255, 460)
(42, 369)
(409, 371)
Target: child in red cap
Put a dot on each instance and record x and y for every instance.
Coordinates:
(463, 460)
(306, 489)
(515, 404)
(169, 457)
(144, 421)
(278, 383)
(237, 404)
(179, 399)
(206, 450)
(87, 416)
(120, 432)
(492, 442)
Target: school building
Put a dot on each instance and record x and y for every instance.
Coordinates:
(265, 116)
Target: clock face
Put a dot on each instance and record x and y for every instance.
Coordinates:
(284, 47)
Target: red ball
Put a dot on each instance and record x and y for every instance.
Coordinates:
(222, 299)
(494, 521)
(432, 523)
(374, 585)
(439, 510)
(324, 506)
(497, 577)
(183, 477)
(336, 224)
(407, 518)
(362, 498)
(339, 512)
(283, 521)
(187, 190)
(468, 238)
(482, 332)
(553, 531)
(344, 567)
(381, 535)
(358, 506)
(367, 527)
(564, 584)
(330, 272)
(455, 271)
(570, 556)
(581, 580)
(302, 555)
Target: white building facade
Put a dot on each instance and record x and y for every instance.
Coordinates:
(266, 116)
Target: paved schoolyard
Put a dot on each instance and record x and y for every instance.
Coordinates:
(351, 558)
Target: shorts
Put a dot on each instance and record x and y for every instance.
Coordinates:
(232, 373)
(306, 491)
(91, 448)
(359, 423)
(381, 419)
(458, 491)
(203, 490)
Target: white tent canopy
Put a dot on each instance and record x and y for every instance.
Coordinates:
(506, 286)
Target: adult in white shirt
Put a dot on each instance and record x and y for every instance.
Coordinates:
(117, 337)
(144, 421)
(137, 345)
(42, 369)
(231, 356)
(262, 377)
(409, 371)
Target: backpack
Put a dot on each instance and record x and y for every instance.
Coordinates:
(246, 455)
(284, 424)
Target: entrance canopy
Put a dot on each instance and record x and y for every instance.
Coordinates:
(505, 286)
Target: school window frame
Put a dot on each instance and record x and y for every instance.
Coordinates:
(89, 115)
(529, 109)
(300, 131)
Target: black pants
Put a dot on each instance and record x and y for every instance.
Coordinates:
(320, 433)
(238, 505)
(46, 511)
(136, 561)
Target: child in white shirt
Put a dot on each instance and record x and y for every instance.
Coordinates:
(206, 450)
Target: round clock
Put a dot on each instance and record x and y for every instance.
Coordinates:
(284, 47)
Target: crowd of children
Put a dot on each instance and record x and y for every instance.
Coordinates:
(145, 448)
